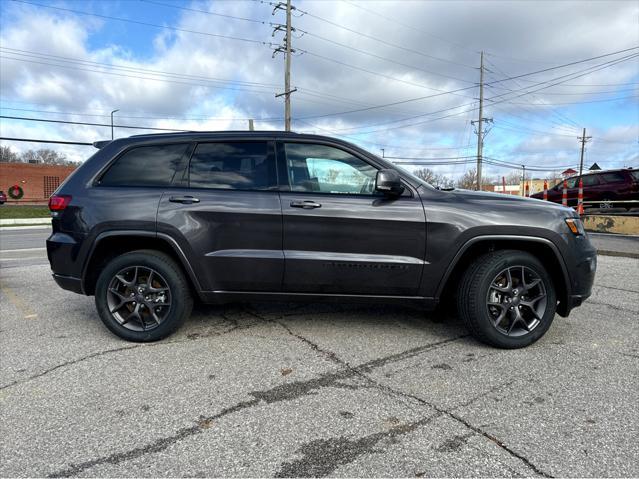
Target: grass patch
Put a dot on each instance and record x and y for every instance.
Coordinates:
(19, 211)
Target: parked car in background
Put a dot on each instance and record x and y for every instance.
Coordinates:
(150, 222)
(602, 189)
(3, 197)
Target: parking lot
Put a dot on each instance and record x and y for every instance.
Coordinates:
(314, 390)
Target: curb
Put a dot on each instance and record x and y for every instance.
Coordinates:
(620, 254)
(25, 221)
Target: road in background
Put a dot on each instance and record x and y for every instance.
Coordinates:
(24, 246)
(617, 245)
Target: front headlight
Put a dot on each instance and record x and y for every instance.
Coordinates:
(576, 226)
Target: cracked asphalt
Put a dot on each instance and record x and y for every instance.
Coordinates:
(315, 390)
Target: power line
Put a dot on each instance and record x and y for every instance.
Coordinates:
(573, 75)
(137, 22)
(128, 117)
(58, 142)
(411, 27)
(379, 57)
(93, 64)
(254, 41)
(22, 118)
(384, 42)
(602, 100)
(470, 87)
(562, 117)
(222, 15)
(320, 37)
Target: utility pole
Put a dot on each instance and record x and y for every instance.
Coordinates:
(523, 180)
(287, 50)
(480, 135)
(584, 139)
(480, 130)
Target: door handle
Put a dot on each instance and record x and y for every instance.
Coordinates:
(307, 204)
(187, 200)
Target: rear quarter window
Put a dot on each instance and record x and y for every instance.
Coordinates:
(145, 166)
(635, 175)
(590, 180)
(612, 177)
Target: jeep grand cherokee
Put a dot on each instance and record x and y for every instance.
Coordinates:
(149, 222)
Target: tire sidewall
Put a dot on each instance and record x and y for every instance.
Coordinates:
(180, 296)
(481, 310)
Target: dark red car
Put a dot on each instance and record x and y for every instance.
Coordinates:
(3, 198)
(602, 189)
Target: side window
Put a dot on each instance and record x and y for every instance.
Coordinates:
(590, 180)
(325, 169)
(237, 165)
(572, 182)
(145, 166)
(612, 177)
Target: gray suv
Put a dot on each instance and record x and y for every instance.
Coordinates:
(150, 222)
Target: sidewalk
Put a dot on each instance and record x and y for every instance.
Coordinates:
(25, 221)
(615, 245)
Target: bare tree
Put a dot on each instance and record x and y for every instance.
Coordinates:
(553, 178)
(432, 178)
(46, 156)
(513, 178)
(469, 180)
(7, 155)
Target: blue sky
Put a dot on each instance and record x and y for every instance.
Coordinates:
(354, 56)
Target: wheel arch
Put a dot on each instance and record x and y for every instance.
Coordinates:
(543, 249)
(111, 244)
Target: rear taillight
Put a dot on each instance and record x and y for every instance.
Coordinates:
(59, 202)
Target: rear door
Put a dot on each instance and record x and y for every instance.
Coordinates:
(340, 237)
(226, 216)
(592, 189)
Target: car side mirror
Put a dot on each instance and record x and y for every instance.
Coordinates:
(389, 182)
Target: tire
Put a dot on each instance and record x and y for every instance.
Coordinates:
(480, 304)
(145, 312)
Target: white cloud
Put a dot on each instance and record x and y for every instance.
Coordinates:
(520, 36)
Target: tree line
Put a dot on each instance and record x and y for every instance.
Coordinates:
(468, 180)
(44, 156)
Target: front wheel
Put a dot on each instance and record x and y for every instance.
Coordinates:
(507, 299)
(143, 296)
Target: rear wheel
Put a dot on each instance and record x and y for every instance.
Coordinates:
(507, 299)
(143, 296)
(607, 201)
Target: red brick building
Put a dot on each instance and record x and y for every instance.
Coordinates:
(37, 181)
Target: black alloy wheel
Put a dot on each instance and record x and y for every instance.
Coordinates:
(143, 295)
(507, 299)
(139, 298)
(516, 300)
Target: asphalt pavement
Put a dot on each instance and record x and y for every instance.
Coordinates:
(312, 390)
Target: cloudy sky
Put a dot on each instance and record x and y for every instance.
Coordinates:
(395, 75)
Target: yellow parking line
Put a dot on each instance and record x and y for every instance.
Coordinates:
(18, 302)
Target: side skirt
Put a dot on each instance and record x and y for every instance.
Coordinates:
(221, 297)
